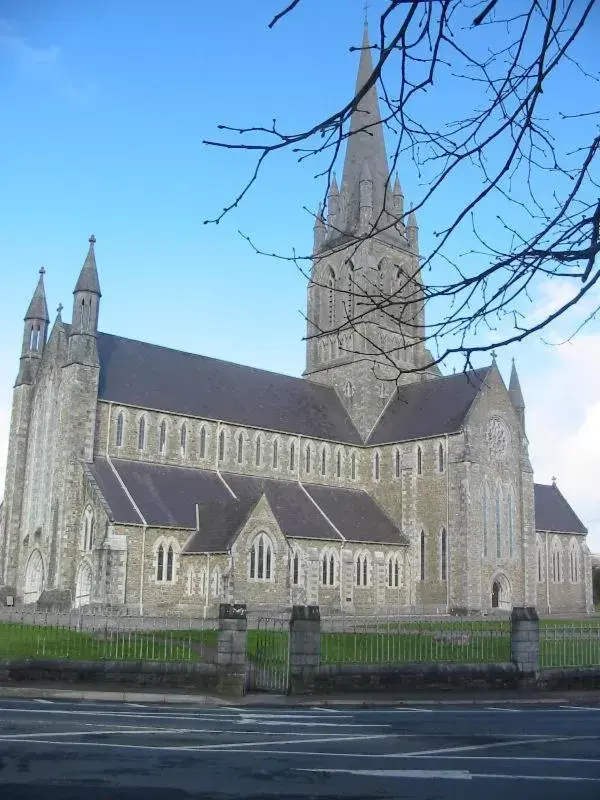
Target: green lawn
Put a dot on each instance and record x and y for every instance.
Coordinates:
(32, 641)
(578, 644)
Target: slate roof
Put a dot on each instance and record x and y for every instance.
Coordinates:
(553, 513)
(140, 374)
(430, 407)
(167, 497)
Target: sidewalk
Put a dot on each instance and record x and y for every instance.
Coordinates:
(411, 699)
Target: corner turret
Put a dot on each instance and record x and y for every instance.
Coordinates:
(86, 304)
(34, 333)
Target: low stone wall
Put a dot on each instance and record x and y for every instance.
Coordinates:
(416, 677)
(201, 677)
(568, 678)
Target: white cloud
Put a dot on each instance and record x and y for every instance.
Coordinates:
(563, 425)
(39, 63)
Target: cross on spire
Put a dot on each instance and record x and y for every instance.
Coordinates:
(42, 270)
(92, 239)
(493, 354)
(60, 308)
(366, 11)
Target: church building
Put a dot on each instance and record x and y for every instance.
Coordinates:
(150, 480)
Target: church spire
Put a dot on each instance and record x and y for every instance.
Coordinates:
(88, 277)
(86, 301)
(516, 395)
(365, 146)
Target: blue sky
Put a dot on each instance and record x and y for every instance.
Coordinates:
(105, 108)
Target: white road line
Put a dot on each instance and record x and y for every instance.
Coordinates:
(509, 710)
(546, 759)
(450, 774)
(509, 743)
(39, 700)
(230, 747)
(276, 716)
(417, 710)
(326, 710)
(290, 723)
(127, 714)
(581, 708)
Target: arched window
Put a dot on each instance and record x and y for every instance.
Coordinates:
(275, 453)
(323, 461)
(240, 448)
(443, 554)
(307, 455)
(362, 570)
(296, 569)
(419, 461)
(261, 554)
(88, 526)
(338, 464)
(202, 442)
(485, 520)
(160, 562)
(393, 572)
(216, 583)
(142, 433)
(183, 438)
(511, 524)
(221, 445)
(440, 457)
(353, 466)
(376, 466)
(498, 524)
(162, 436)
(119, 430)
(397, 463)
(422, 559)
(539, 564)
(202, 584)
(556, 564)
(328, 569)
(170, 563)
(574, 563)
(257, 454)
(331, 299)
(189, 582)
(292, 456)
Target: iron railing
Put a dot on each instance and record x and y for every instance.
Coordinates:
(90, 637)
(373, 640)
(570, 644)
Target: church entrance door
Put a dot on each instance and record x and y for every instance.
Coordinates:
(83, 588)
(496, 593)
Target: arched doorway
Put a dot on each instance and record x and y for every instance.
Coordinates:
(500, 593)
(83, 586)
(496, 590)
(34, 578)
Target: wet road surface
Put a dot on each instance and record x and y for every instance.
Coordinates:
(109, 751)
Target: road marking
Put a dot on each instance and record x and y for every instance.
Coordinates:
(509, 710)
(39, 700)
(127, 714)
(582, 708)
(326, 710)
(230, 747)
(510, 743)
(289, 723)
(288, 716)
(451, 774)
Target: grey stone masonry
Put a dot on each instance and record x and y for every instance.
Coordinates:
(231, 649)
(305, 647)
(525, 639)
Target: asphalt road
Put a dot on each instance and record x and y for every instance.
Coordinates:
(108, 751)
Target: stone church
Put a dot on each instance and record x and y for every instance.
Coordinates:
(150, 480)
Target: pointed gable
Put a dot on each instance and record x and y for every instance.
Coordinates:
(429, 407)
(553, 512)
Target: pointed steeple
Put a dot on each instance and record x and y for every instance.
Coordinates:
(88, 277)
(412, 230)
(34, 333)
(515, 393)
(365, 144)
(38, 309)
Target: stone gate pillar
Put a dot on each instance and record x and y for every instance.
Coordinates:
(525, 639)
(231, 648)
(305, 648)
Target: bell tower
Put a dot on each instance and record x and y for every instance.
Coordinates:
(366, 318)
